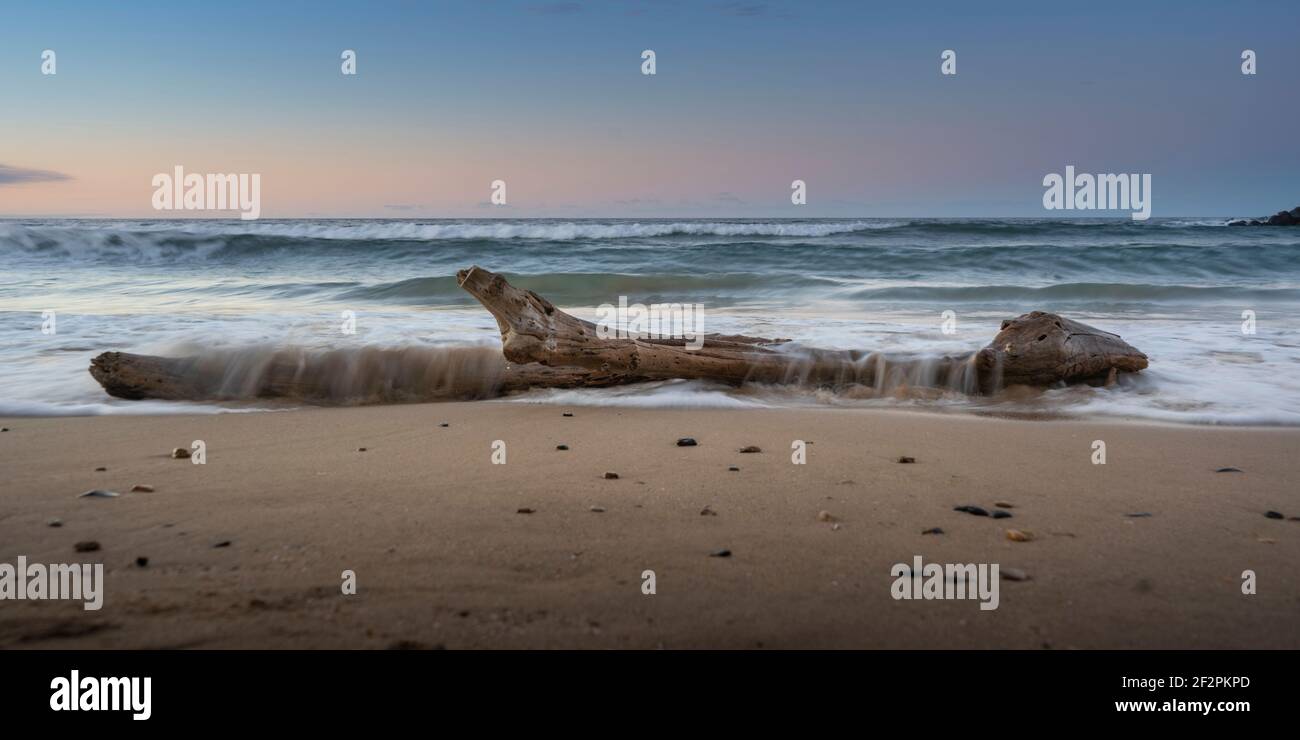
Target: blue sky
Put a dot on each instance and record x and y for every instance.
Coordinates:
(549, 97)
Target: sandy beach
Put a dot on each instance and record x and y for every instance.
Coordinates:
(247, 550)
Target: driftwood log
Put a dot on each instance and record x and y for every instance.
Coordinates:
(545, 347)
(369, 375)
(1038, 349)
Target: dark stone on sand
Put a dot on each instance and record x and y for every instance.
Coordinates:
(54, 523)
(906, 459)
(597, 509)
(1000, 514)
(1013, 574)
(720, 554)
(99, 493)
(101, 470)
(86, 546)
(180, 453)
(444, 424)
(1139, 515)
(1004, 504)
(708, 511)
(1274, 515)
(4, 429)
(611, 476)
(686, 442)
(223, 543)
(568, 413)
(750, 449)
(561, 447)
(523, 510)
(414, 645)
(977, 511)
(932, 530)
(734, 469)
(1229, 470)
(142, 562)
(361, 449)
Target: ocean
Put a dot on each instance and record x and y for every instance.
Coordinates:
(1179, 289)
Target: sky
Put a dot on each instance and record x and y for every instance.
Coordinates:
(549, 97)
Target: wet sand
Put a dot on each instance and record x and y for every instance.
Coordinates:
(443, 558)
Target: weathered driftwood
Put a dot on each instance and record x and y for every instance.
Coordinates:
(1035, 349)
(545, 347)
(340, 376)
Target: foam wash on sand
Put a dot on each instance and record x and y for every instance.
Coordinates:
(1175, 288)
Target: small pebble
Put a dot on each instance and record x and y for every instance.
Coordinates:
(568, 413)
(611, 476)
(1139, 514)
(54, 522)
(733, 469)
(99, 493)
(444, 424)
(4, 429)
(835, 527)
(687, 442)
(597, 509)
(749, 449)
(825, 516)
(1000, 514)
(141, 561)
(1229, 470)
(86, 546)
(361, 449)
(1274, 515)
(180, 453)
(932, 530)
(141, 488)
(101, 470)
(1013, 574)
(523, 510)
(720, 554)
(561, 447)
(708, 511)
(223, 543)
(1004, 504)
(977, 511)
(1016, 535)
(906, 459)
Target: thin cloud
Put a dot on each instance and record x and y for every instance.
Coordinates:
(22, 175)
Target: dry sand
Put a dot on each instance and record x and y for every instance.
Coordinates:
(442, 558)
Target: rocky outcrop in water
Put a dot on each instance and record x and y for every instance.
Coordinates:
(1281, 218)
